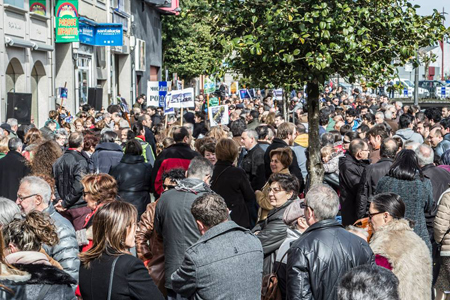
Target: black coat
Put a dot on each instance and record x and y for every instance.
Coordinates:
(440, 180)
(13, 168)
(200, 128)
(68, 171)
(232, 184)
(60, 283)
(318, 259)
(253, 165)
(133, 177)
(369, 179)
(350, 172)
(106, 156)
(130, 281)
(294, 169)
(150, 138)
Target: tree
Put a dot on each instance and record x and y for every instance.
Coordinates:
(290, 43)
(189, 48)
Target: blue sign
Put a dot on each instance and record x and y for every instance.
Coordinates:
(100, 34)
(162, 93)
(405, 91)
(443, 91)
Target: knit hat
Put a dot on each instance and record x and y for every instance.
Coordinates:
(6, 126)
(293, 212)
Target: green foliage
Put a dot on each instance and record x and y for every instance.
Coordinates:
(291, 42)
(189, 47)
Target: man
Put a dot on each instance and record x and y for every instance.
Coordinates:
(178, 155)
(368, 282)
(440, 181)
(445, 112)
(351, 168)
(286, 134)
(279, 119)
(376, 135)
(116, 116)
(265, 136)
(390, 116)
(227, 260)
(379, 118)
(252, 120)
(299, 148)
(433, 116)
(5, 129)
(140, 103)
(436, 140)
(35, 194)
(445, 128)
(13, 167)
(173, 219)
(351, 118)
(253, 162)
(406, 131)
(68, 170)
(146, 121)
(156, 118)
(107, 154)
(373, 173)
(14, 126)
(48, 131)
(325, 251)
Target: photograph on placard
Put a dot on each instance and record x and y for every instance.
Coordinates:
(218, 115)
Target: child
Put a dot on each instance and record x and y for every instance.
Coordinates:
(330, 159)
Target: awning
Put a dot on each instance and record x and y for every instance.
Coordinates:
(42, 47)
(21, 43)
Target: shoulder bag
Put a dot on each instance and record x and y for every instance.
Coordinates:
(269, 289)
(111, 277)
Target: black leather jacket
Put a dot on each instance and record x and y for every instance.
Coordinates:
(317, 260)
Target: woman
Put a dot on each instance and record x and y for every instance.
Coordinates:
(23, 241)
(398, 248)
(114, 233)
(90, 142)
(442, 236)
(99, 189)
(232, 184)
(44, 158)
(208, 151)
(283, 189)
(4, 146)
(79, 125)
(280, 160)
(405, 178)
(133, 177)
(31, 141)
(89, 123)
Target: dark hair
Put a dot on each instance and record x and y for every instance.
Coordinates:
(355, 146)
(300, 128)
(445, 123)
(287, 182)
(133, 147)
(323, 118)
(210, 209)
(378, 130)
(406, 166)
(327, 138)
(445, 158)
(174, 174)
(391, 203)
(284, 155)
(368, 282)
(388, 148)
(90, 140)
(262, 131)
(433, 113)
(237, 127)
(86, 107)
(254, 114)
(75, 140)
(179, 134)
(363, 128)
(346, 129)
(405, 121)
(137, 128)
(108, 137)
(369, 118)
(227, 150)
(352, 112)
(210, 147)
(200, 114)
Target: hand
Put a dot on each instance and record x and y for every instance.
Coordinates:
(59, 207)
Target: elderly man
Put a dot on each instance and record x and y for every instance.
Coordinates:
(35, 194)
(13, 168)
(14, 126)
(327, 242)
(437, 141)
(253, 162)
(209, 267)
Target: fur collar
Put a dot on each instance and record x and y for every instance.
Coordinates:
(43, 274)
(7, 273)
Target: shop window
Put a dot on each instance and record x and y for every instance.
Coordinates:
(18, 3)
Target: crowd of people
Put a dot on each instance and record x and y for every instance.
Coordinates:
(138, 205)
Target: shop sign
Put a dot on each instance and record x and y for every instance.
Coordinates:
(67, 21)
(108, 35)
(38, 7)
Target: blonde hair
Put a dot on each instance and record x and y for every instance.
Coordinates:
(4, 144)
(101, 187)
(327, 151)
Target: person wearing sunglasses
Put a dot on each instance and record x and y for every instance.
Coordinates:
(398, 248)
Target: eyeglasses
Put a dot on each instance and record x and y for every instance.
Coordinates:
(374, 214)
(26, 197)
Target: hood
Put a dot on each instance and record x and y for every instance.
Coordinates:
(108, 146)
(193, 185)
(302, 140)
(132, 159)
(405, 134)
(27, 257)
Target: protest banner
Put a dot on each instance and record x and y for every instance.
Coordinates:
(218, 115)
(153, 93)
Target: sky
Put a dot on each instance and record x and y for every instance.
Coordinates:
(427, 6)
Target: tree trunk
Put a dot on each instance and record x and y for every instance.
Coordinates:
(315, 167)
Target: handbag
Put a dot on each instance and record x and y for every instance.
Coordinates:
(111, 277)
(269, 289)
(364, 224)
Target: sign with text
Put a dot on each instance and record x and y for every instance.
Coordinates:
(182, 98)
(152, 93)
(101, 34)
(162, 92)
(167, 109)
(244, 94)
(67, 21)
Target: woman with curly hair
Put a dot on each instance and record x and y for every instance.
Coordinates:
(23, 241)
(45, 156)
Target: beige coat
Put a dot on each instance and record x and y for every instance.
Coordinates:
(442, 223)
(409, 257)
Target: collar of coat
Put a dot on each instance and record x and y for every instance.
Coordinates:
(219, 229)
(328, 223)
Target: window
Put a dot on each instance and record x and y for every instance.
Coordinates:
(18, 3)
